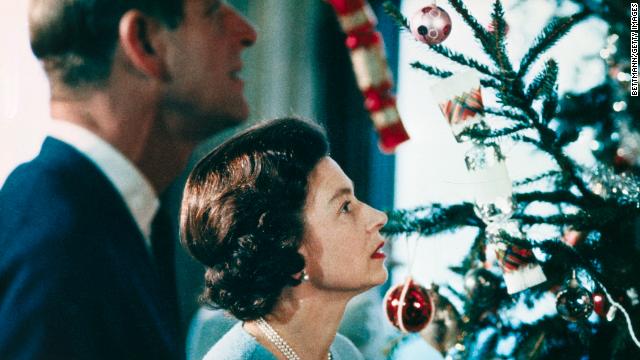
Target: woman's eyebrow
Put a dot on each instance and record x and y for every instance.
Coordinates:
(341, 192)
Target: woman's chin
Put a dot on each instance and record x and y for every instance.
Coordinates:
(380, 277)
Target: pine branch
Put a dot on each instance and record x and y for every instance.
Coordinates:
(570, 256)
(489, 346)
(462, 60)
(550, 106)
(580, 220)
(402, 21)
(544, 83)
(568, 166)
(507, 114)
(508, 97)
(431, 70)
(554, 197)
(512, 93)
(478, 30)
(555, 30)
(534, 340)
(549, 143)
(514, 240)
(567, 137)
(430, 220)
(499, 33)
(395, 14)
(488, 134)
(528, 140)
(493, 44)
(455, 292)
(589, 108)
(491, 83)
(499, 24)
(441, 73)
(552, 173)
(508, 131)
(475, 254)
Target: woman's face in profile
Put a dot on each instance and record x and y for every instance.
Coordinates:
(342, 243)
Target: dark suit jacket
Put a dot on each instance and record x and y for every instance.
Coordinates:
(76, 281)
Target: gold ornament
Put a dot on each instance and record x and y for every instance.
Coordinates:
(443, 332)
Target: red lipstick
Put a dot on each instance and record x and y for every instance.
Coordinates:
(379, 254)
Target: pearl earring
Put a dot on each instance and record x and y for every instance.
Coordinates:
(305, 276)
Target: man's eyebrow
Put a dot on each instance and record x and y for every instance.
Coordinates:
(212, 6)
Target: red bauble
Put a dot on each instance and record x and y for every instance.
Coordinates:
(601, 305)
(622, 163)
(409, 306)
(431, 25)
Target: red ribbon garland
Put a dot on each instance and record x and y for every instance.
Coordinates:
(363, 39)
(378, 97)
(344, 7)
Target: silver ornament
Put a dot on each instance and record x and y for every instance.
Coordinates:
(492, 191)
(574, 302)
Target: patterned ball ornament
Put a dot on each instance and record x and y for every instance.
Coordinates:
(409, 306)
(430, 25)
(574, 302)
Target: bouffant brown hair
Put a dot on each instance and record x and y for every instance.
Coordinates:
(242, 214)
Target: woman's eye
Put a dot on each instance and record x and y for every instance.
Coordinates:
(346, 207)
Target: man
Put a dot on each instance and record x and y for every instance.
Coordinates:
(135, 85)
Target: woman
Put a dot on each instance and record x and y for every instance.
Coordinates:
(284, 241)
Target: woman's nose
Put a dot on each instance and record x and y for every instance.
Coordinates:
(378, 219)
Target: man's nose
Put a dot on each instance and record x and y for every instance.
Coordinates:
(243, 26)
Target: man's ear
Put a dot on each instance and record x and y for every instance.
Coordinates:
(141, 39)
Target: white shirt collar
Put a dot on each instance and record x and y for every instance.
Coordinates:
(133, 186)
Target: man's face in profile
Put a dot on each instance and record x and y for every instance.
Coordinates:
(204, 61)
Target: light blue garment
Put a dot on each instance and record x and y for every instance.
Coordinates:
(363, 324)
(207, 327)
(237, 344)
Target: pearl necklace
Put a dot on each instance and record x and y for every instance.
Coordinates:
(279, 342)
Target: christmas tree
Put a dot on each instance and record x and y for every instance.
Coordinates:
(591, 265)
